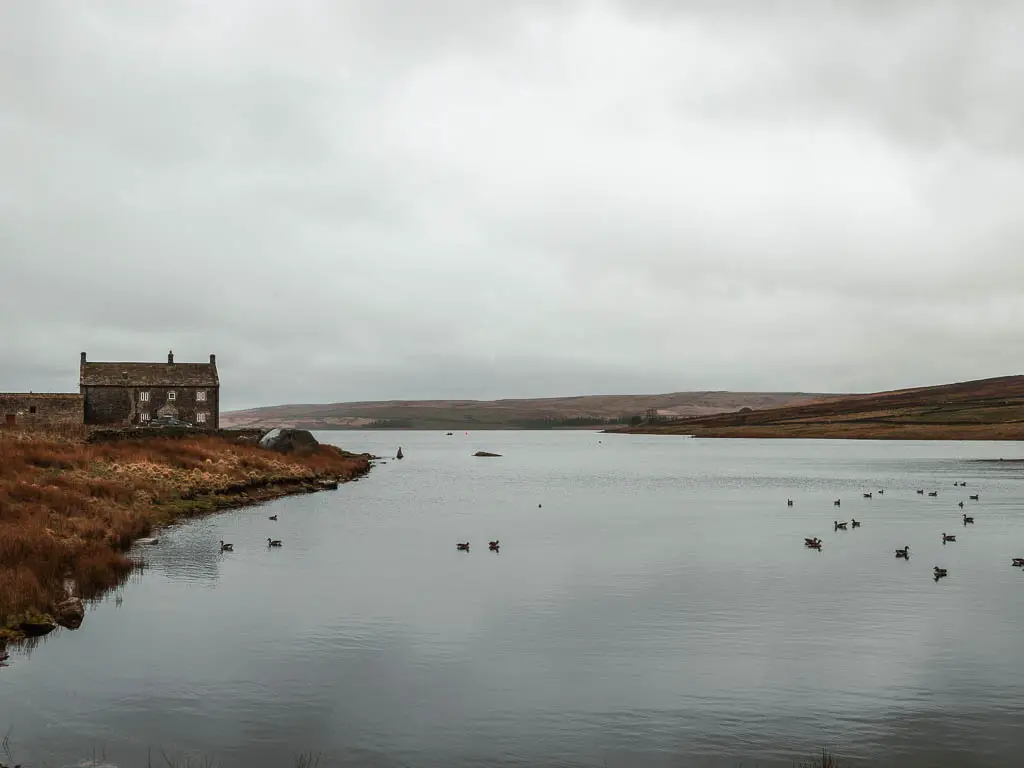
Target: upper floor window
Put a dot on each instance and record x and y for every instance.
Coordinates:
(31, 409)
(143, 397)
(172, 395)
(201, 396)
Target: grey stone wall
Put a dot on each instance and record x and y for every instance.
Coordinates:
(128, 406)
(105, 435)
(40, 411)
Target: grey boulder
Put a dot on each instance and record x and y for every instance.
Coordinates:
(289, 440)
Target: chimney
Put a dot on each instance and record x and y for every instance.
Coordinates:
(170, 357)
(213, 359)
(83, 358)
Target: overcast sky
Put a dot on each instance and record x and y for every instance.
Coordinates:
(467, 199)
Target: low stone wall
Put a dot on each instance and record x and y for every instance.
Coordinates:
(32, 411)
(243, 435)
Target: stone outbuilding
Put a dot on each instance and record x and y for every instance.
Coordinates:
(34, 410)
(134, 394)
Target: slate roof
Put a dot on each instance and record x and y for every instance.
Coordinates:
(149, 375)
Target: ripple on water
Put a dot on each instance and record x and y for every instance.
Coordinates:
(659, 609)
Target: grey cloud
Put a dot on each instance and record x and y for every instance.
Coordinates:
(458, 199)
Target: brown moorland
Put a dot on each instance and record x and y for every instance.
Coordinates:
(985, 409)
(69, 511)
(534, 413)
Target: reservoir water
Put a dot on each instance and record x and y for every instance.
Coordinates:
(652, 604)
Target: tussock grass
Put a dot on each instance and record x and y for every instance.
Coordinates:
(70, 510)
(827, 760)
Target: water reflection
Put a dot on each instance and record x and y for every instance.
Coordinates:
(659, 608)
(185, 553)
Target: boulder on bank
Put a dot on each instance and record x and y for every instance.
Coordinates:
(487, 453)
(289, 440)
(37, 626)
(69, 613)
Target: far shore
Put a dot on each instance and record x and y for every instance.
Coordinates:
(983, 409)
(70, 511)
(855, 431)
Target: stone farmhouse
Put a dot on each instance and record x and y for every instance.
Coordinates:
(132, 394)
(121, 395)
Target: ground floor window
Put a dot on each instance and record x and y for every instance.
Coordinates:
(144, 416)
(200, 418)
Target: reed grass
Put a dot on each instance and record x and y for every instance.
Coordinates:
(69, 510)
(826, 760)
(312, 759)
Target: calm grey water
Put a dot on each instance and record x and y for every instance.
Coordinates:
(659, 609)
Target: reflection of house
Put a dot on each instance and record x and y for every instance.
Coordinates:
(133, 394)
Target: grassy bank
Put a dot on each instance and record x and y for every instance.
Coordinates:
(69, 511)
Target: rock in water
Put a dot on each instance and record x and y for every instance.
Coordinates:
(69, 613)
(487, 453)
(37, 627)
(289, 440)
(399, 454)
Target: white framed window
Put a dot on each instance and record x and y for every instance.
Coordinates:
(172, 395)
(201, 396)
(144, 416)
(200, 418)
(143, 397)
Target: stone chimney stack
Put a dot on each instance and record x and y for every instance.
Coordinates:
(213, 359)
(170, 357)
(83, 358)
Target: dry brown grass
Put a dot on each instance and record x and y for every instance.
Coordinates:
(70, 510)
(987, 409)
(499, 414)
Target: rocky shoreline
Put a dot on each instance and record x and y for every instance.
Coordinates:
(75, 510)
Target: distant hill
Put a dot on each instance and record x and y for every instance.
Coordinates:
(986, 409)
(585, 411)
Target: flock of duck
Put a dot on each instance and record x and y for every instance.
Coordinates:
(904, 552)
(494, 546)
(224, 547)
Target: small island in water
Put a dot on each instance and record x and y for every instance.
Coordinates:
(70, 510)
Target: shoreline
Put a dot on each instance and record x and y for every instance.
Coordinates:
(71, 511)
(1012, 431)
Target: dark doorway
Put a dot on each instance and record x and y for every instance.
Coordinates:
(9, 419)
